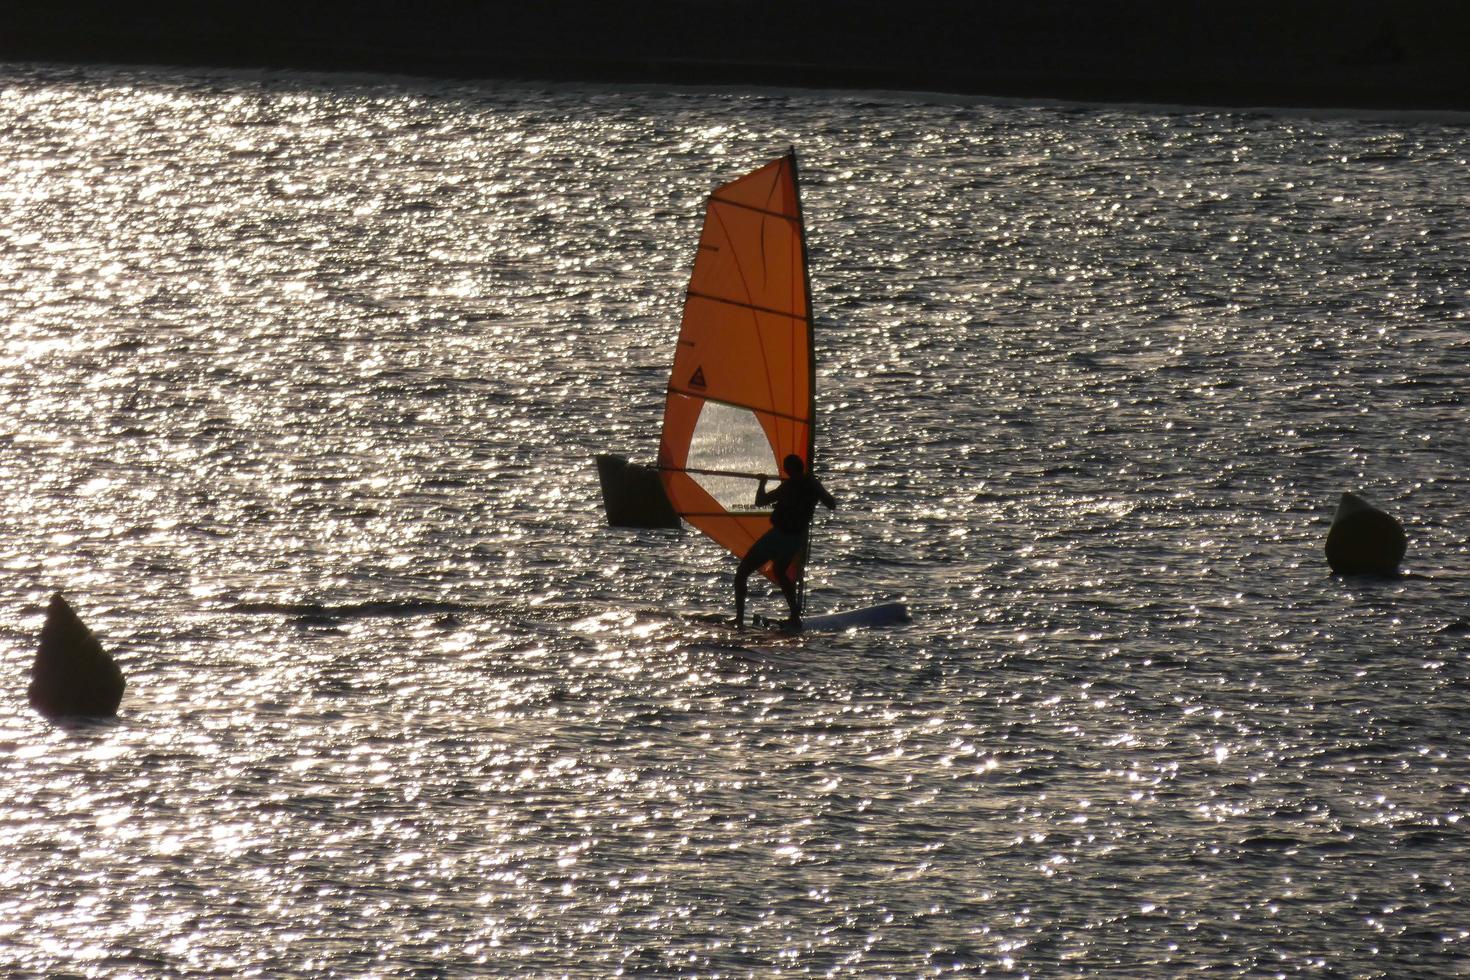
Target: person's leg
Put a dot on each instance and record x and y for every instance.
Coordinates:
(790, 591)
(788, 588)
(748, 564)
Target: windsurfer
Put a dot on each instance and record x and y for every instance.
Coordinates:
(795, 502)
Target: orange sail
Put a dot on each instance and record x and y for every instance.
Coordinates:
(740, 396)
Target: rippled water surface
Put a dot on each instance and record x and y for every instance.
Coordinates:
(300, 384)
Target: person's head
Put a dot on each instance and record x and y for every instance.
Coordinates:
(793, 466)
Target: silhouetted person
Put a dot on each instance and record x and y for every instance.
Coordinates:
(795, 501)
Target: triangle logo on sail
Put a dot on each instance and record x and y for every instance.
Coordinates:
(697, 381)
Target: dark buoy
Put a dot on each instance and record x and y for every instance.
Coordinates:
(1364, 540)
(72, 674)
(633, 495)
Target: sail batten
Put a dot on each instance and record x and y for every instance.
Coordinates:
(740, 394)
(759, 410)
(749, 306)
(716, 199)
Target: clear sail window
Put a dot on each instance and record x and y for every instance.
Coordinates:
(730, 440)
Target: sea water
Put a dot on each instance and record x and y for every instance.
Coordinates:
(301, 382)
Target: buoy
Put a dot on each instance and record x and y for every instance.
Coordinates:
(633, 495)
(72, 674)
(1364, 540)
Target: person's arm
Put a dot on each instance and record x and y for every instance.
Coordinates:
(763, 496)
(826, 498)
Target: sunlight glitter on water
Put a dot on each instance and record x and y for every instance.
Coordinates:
(300, 384)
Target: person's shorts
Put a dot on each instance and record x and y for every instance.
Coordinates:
(775, 545)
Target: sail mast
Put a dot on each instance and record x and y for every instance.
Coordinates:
(811, 360)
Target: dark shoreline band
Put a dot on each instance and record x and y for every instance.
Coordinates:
(1355, 54)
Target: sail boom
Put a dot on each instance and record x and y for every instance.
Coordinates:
(733, 474)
